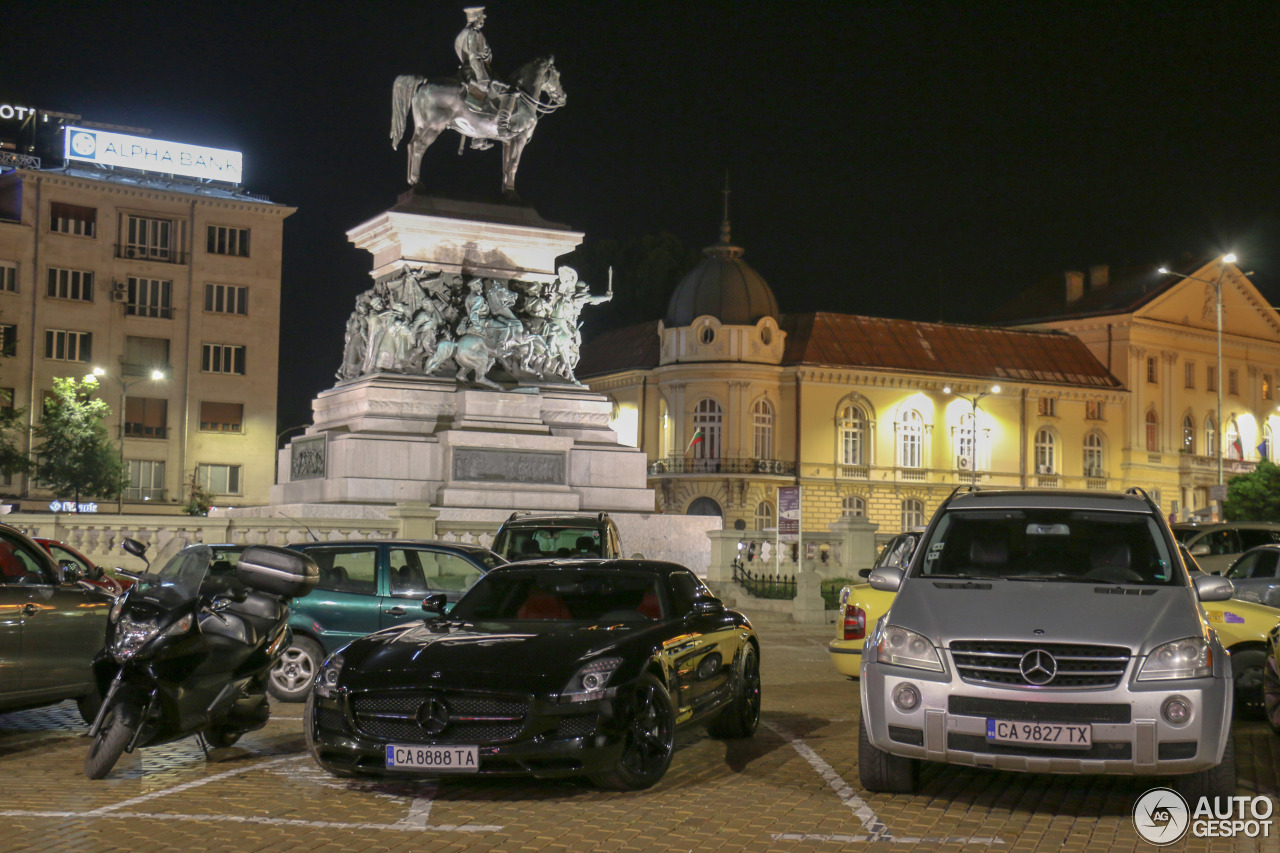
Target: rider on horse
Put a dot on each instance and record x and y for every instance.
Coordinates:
(475, 58)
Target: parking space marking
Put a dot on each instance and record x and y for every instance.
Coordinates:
(271, 821)
(196, 783)
(876, 828)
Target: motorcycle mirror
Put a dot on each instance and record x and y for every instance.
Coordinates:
(435, 604)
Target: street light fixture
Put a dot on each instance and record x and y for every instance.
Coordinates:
(973, 414)
(1228, 258)
(155, 376)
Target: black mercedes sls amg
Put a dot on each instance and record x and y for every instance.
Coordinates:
(547, 669)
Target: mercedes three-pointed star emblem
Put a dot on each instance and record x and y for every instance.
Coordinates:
(1038, 667)
(433, 715)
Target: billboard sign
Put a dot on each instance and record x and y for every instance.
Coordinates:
(152, 155)
(789, 512)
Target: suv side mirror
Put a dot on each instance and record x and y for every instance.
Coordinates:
(1214, 588)
(1200, 549)
(885, 578)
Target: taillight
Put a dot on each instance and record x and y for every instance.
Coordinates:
(855, 623)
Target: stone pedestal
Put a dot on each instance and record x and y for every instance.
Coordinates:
(392, 438)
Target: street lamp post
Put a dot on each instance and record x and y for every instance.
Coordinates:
(1217, 293)
(973, 415)
(155, 376)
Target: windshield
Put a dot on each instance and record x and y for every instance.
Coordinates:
(598, 597)
(1049, 544)
(534, 543)
(180, 578)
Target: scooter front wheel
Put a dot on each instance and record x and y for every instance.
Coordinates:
(116, 732)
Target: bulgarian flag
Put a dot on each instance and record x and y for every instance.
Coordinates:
(697, 439)
(1237, 447)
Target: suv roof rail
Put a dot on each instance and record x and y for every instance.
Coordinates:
(1139, 492)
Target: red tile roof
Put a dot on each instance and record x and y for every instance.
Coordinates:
(629, 348)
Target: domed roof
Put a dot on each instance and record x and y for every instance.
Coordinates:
(724, 286)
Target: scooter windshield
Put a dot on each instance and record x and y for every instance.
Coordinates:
(179, 579)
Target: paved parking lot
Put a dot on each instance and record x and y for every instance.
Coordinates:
(791, 788)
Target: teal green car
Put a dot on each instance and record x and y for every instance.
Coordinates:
(366, 586)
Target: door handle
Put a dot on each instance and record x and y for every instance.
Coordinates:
(30, 610)
(396, 611)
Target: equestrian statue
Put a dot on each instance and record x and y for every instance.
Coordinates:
(475, 105)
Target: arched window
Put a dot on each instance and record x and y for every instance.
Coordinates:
(764, 515)
(1211, 447)
(1153, 431)
(912, 513)
(910, 439)
(1234, 450)
(703, 506)
(706, 420)
(966, 449)
(1046, 452)
(1268, 445)
(1188, 435)
(1093, 455)
(854, 505)
(762, 425)
(853, 436)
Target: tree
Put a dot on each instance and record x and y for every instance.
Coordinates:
(198, 500)
(76, 454)
(1254, 496)
(12, 460)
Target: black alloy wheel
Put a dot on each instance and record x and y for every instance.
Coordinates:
(648, 742)
(741, 716)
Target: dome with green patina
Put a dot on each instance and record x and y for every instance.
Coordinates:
(724, 286)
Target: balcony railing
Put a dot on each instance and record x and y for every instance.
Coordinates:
(156, 254)
(678, 465)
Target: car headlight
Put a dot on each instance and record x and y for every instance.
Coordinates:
(1189, 658)
(326, 683)
(901, 647)
(589, 682)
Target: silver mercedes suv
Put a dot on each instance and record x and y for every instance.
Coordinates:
(1048, 632)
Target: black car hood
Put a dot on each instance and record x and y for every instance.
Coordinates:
(526, 657)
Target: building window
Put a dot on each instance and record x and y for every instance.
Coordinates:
(146, 481)
(854, 505)
(762, 429)
(1093, 455)
(966, 459)
(146, 417)
(222, 417)
(1046, 452)
(149, 297)
(1267, 392)
(1233, 382)
(1189, 374)
(1210, 378)
(706, 419)
(219, 479)
(8, 339)
(229, 358)
(1211, 447)
(707, 334)
(1153, 370)
(8, 277)
(73, 219)
(226, 299)
(1153, 432)
(764, 516)
(1267, 450)
(1048, 406)
(853, 436)
(224, 240)
(1093, 410)
(63, 345)
(910, 439)
(1188, 435)
(150, 239)
(1234, 449)
(143, 355)
(912, 513)
(71, 284)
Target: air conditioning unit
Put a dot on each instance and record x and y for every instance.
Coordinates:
(119, 295)
(1044, 469)
(132, 252)
(964, 463)
(121, 286)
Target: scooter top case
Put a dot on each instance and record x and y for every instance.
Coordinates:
(278, 571)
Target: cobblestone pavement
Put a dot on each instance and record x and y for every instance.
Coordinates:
(793, 787)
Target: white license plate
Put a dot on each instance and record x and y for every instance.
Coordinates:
(445, 759)
(1067, 735)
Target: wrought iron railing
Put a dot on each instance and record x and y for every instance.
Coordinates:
(764, 584)
(678, 465)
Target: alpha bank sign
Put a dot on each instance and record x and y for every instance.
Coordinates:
(152, 155)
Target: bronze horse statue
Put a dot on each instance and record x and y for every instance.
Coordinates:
(443, 106)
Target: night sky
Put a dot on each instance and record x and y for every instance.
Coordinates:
(923, 161)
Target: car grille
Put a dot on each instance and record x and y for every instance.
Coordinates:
(580, 725)
(440, 716)
(1076, 665)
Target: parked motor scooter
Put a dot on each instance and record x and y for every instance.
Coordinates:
(189, 648)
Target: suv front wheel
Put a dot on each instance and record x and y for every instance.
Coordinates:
(882, 772)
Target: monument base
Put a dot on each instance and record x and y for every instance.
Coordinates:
(388, 439)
